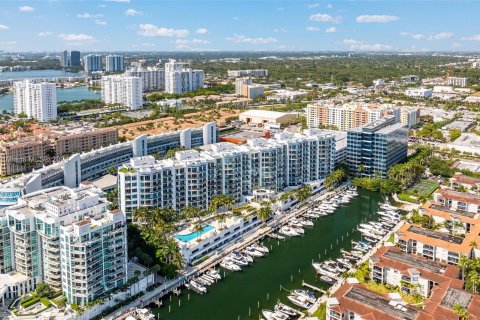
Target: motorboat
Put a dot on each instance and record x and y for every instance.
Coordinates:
(300, 301)
(230, 266)
(213, 273)
(274, 315)
(295, 224)
(197, 287)
(238, 260)
(280, 307)
(260, 247)
(326, 279)
(286, 230)
(298, 230)
(309, 296)
(239, 255)
(306, 222)
(252, 252)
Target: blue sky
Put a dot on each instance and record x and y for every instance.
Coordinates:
(174, 25)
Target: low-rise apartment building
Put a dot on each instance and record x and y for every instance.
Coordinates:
(458, 201)
(436, 245)
(355, 301)
(448, 220)
(411, 273)
(32, 153)
(418, 92)
(247, 73)
(460, 180)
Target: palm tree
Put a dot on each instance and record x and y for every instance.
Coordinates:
(303, 193)
(191, 212)
(222, 217)
(264, 213)
(169, 253)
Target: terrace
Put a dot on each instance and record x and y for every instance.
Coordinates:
(381, 304)
(436, 235)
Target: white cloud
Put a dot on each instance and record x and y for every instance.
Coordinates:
(132, 12)
(312, 28)
(9, 43)
(323, 17)
(87, 15)
(331, 30)
(4, 27)
(240, 38)
(376, 18)
(456, 45)
(360, 46)
(80, 37)
(201, 31)
(329, 6)
(313, 5)
(120, 1)
(280, 30)
(475, 37)
(44, 34)
(428, 36)
(186, 43)
(100, 22)
(26, 9)
(150, 30)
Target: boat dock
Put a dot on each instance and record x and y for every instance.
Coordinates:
(304, 284)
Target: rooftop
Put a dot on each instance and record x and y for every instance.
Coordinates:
(446, 210)
(436, 235)
(415, 261)
(381, 304)
(263, 114)
(454, 296)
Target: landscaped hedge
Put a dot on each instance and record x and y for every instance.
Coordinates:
(407, 197)
(29, 302)
(46, 302)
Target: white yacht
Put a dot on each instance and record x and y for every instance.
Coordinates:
(253, 252)
(300, 301)
(280, 307)
(197, 287)
(287, 231)
(260, 247)
(230, 266)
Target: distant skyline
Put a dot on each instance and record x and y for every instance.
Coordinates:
(248, 25)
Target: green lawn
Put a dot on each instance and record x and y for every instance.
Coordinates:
(423, 188)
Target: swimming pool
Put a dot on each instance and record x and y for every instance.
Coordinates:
(190, 236)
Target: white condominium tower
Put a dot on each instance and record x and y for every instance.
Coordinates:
(153, 78)
(122, 89)
(92, 62)
(179, 79)
(245, 73)
(69, 239)
(193, 177)
(114, 62)
(36, 99)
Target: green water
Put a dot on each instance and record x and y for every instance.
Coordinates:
(287, 265)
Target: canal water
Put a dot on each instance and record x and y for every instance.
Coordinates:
(258, 286)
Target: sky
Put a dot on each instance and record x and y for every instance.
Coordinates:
(233, 25)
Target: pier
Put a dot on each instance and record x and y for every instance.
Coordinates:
(304, 284)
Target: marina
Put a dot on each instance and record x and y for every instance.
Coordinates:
(289, 259)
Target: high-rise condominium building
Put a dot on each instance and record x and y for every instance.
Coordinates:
(343, 117)
(240, 83)
(153, 78)
(247, 73)
(65, 59)
(114, 62)
(36, 99)
(123, 90)
(92, 62)
(179, 79)
(67, 238)
(375, 147)
(193, 178)
(75, 59)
